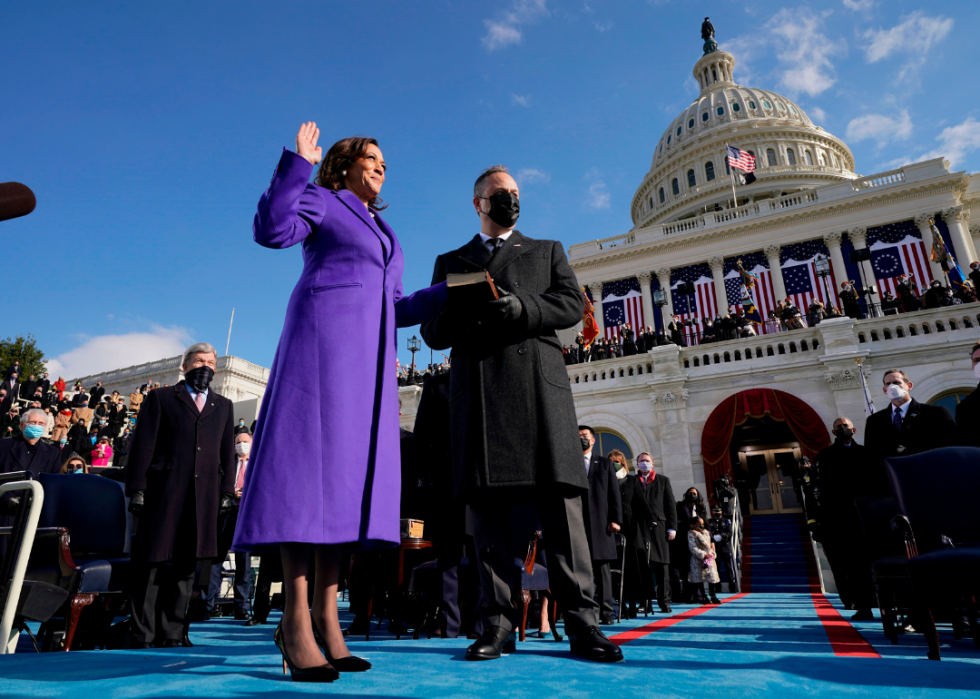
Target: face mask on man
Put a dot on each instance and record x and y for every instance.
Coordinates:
(243, 448)
(843, 433)
(976, 370)
(644, 466)
(64, 440)
(896, 392)
(586, 443)
(34, 431)
(505, 209)
(199, 378)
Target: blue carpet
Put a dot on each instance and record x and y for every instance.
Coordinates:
(759, 645)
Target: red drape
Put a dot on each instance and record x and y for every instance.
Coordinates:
(716, 438)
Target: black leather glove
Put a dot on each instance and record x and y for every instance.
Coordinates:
(11, 505)
(507, 309)
(136, 501)
(227, 503)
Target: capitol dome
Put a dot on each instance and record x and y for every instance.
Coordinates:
(689, 176)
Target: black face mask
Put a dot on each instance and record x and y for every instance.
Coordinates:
(843, 434)
(586, 443)
(691, 497)
(199, 378)
(505, 208)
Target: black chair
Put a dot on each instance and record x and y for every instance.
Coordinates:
(89, 557)
(889, 563)
(936, 493)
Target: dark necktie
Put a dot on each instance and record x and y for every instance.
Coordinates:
(497, 243)
(897, 420)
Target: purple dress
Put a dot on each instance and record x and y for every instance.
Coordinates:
(325, 460)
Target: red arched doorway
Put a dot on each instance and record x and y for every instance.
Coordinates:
(716, 438)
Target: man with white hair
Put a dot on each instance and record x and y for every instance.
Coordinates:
(180, 476)
(25, 452)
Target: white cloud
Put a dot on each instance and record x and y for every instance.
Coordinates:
(880, 128)
(817, 113)
(804, 51)
(506, 29)
(914, 36)
(522, 100)
(859, 5)
(957, 142)
(107, 352)
(530, 175)
(602, 27)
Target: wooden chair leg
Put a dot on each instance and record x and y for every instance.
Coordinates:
(526, 598)
(554, 620)
(76, 605)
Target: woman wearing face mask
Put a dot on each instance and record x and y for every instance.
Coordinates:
(691, 506)
(327, 479)
(703, 566)
(75, 464)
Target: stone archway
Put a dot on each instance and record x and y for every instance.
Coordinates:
(935, 385)
(630, 431)
(716, 437)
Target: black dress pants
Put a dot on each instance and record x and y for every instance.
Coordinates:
(270, 571)
(604, 587)
(567, 554)
(161, 593)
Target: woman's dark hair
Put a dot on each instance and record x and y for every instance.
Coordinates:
(339, 158)
(694, 521)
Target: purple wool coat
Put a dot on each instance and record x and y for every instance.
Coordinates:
(325, 459)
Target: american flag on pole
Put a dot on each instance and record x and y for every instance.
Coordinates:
(800, 276)
(898, 249)
(622, 303)
(743, 160)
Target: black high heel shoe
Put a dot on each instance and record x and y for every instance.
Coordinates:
(349, 664)
(319, 673)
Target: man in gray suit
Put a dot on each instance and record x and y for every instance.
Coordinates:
(514, 430)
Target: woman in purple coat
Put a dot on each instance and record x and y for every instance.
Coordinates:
(325, 463)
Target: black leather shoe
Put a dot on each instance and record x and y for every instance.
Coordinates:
(241, 615)
(863, 615)
(494, 641)
(254, 621)
(590, 644)
(608, 619)
(140, 645)
(358, 627)
(171, 643)
(665, 608)
(186, 641)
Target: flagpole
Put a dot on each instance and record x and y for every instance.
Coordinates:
(731, 176)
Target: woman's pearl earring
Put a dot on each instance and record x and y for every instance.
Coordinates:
(343, 173)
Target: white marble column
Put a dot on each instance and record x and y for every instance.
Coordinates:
(596, 289)
(833, 241)
(859, 238)
(975, 234)
(957, 219)
(717, 265)
(778, 287)
(644, 278)
(922, 222)
(663, 276)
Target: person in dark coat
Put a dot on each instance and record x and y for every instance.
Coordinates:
(629, 340)
(650, 518)
(96, 393)
(968, 410)
(680, 554)
(604, 518)
(181, 474)
(512, 416)
(25, 452)
(890, 305)
(906, 426)
(722, 533)
(975, 274)
(241, 427)
(906, 294)
(848, 297)
(847, 473)
(28, 387)
(11, 385)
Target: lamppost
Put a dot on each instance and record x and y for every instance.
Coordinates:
(822, 266)
(414, 345)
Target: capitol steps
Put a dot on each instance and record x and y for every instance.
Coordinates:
(777, 556)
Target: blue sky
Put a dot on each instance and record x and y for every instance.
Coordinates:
(148, 132)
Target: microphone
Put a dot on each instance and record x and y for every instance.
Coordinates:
(16, 199)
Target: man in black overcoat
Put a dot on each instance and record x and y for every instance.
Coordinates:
(847, 473)
(650, 518)
(96, 393)
(181, 473)
(906, 426)
(968, 411)
(675, 328)
(604, 515)
(514, 429)
(25, 452)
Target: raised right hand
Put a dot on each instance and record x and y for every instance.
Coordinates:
(306, 139)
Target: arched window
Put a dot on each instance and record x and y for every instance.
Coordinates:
(721, 111)
(691, 181)
(704, 117)
(663, 196)
(607, 440)
(951, 399)
(690, 124)
(709, 171)
(751, 104)
(771, 157)
(668, 139)
(678, 130)
(675, 187)
(728, 170)
(791, 156)
(736, 107)
(807, 157)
